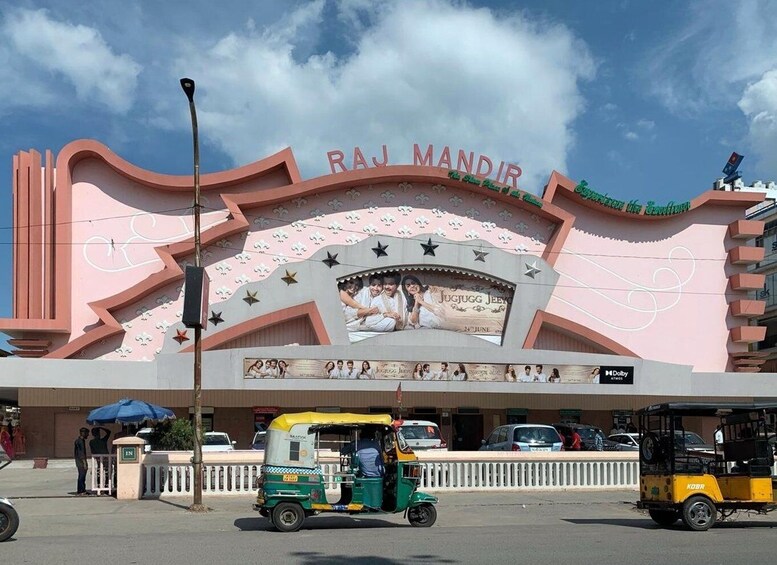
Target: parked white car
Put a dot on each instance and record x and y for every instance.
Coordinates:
(217, 441)
(422, 434)
(145, 433)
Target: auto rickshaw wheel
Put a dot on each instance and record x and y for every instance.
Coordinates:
(663, 516)
(9, 522)
(650, 449)
(699, 513)
(422, 516)
(288, 516)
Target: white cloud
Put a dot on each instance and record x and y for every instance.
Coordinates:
(37, 48)
(721, 46)
(647, 125)
(426, 71)
(631, 135)
(759, 104)
(716, 62)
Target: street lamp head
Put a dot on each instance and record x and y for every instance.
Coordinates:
(188, 87)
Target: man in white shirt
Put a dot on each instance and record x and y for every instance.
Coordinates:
(272, 369)
(350, 372)
(526, 377)
(338, 372)
(426, 372)
(539, 376)
(443, 374)
(382, 321)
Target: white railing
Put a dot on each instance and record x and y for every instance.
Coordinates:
(170, 474)
(528, 475)
(103, 473)
(175, 479)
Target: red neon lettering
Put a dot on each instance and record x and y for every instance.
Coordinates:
(445, 158)
(336, 158)
(426, 158)
(499, 172)
(511, 175)
(462, 164)
(385, 159)
(358, 159)
(483, 159)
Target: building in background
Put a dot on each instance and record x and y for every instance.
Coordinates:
(765, 212)
(486, 303)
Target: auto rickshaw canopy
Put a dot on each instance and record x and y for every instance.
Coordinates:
(286, 421)
(291, 438)
(706, 408)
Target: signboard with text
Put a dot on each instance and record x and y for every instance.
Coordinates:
(365, 369)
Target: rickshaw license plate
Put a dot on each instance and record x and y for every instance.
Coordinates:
(541, 449)
(290, 478)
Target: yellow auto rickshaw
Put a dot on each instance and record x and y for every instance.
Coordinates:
(363, 457)
(679, 481)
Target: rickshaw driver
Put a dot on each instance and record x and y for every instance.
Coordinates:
(370, 458)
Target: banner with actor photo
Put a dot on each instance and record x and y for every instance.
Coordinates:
(367, 369)
(414, 299)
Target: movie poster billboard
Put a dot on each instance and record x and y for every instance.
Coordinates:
(362, 369)
(412, 299)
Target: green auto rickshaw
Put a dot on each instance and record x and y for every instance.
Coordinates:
(346, 463)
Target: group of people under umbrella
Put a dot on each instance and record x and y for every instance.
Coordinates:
(127, 412)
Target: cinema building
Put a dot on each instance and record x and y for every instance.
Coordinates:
(426, 276)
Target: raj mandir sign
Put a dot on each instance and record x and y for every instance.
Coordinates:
(482, 167)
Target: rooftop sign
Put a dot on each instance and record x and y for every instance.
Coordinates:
(631, 207)
(460, 160)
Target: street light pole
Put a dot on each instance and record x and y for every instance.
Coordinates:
(188, 87)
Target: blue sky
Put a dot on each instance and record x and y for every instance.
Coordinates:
(645, 100)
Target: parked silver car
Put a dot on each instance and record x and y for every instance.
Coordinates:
(684, 441)
(625, 441)
(523, 437)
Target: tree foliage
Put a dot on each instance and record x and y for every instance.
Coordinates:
(173, 435)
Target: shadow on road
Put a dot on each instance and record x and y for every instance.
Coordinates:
(647, 524)
(317, 523)
(177, 505)
(315, 558)
(641, 523)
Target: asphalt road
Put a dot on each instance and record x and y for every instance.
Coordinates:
(555, 527)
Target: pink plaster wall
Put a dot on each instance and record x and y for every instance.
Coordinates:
(658, 288)
(281, 235)
(118, 252)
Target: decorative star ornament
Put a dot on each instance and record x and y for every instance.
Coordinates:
(331, 260)
(289, 278)
(532, 270)
(180, 336)
(251, 298)
(480, 255)
(380, 250)
(215, 318)
(429, 248)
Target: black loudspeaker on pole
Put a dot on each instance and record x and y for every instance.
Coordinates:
(195, 298)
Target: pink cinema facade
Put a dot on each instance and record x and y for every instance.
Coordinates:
(100, 248)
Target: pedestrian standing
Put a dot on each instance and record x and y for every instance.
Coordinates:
(577, 441)
(98, 445)
(79, 453)
(5, 439)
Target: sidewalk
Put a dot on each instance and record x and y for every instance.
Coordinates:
(25, 482)
(52, 464)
